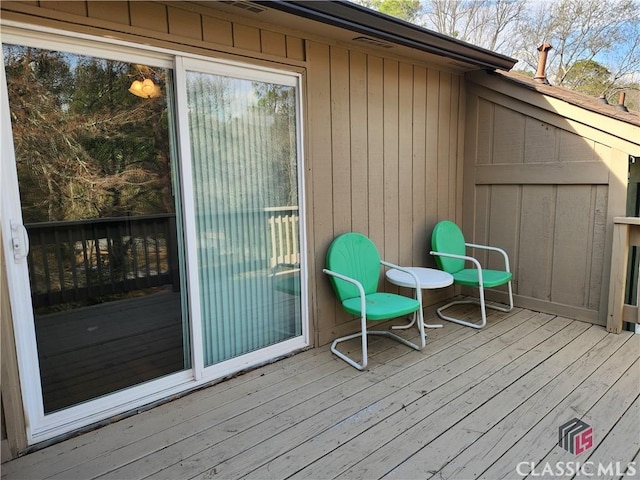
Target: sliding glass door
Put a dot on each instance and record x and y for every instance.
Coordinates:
(95, 167)
(243, 139)
(154, 212)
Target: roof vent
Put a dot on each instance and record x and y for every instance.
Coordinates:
(374, 42)
(249, 7)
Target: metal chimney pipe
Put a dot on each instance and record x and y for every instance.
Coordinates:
(620, 105)
(541, 75)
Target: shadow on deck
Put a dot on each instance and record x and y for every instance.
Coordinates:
(472, 404)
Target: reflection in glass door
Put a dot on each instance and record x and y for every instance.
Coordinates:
(93, 149)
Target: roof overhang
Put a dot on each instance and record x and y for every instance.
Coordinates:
(383, 27)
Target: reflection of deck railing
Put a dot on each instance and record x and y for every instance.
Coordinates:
(283, 229)
(75, 261)
(626, 233)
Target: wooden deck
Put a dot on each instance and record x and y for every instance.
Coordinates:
(472, 404)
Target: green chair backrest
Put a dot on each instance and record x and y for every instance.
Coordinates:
(448, 238)
(355, 256)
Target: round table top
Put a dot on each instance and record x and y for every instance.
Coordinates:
(429, 277)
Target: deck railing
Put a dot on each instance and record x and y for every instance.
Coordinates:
(76, 261)
(626, 234)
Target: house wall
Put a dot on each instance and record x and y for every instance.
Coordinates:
(544, 180)
(13, 437)
(383, 134)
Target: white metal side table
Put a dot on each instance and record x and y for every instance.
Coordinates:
(429, 278)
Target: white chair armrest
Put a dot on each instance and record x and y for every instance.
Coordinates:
(493, 249)
(463, 257)
(363, 303)
(416, 280)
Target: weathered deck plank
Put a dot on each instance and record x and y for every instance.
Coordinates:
(472, 404)
(412, 434)
(543, 436)
(496, 441)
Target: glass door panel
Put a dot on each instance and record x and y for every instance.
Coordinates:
(94, 154)
(244, 149)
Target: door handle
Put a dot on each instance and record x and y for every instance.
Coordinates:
(19, 241)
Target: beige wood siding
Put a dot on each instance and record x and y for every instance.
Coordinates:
(176, 24)
(383, 144)
(14, 437)
(546, 192)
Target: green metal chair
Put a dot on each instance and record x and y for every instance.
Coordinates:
(449, 248)
(353, 265)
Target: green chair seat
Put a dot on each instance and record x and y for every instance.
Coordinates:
(490, 278)
(382, 306)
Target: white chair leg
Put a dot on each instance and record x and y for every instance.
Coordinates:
(483, 307)
(412, 323)
(381, 333)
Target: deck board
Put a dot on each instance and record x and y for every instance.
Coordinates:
(472, 404)
(493, 443)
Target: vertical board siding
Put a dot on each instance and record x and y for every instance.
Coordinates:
(246, 37)
(421, 240)
(359, 150)
(405, 165)
(184, 24)
(540, 141)
(73, 7)
(390, 193)
(433, 127)
(509, 125)
(273, 43)
(483, 133)
(321, 196)
(117, 12)
(340, 139)
(217, 31)
(555, 230)
(375, 115)
(383, 164)
(536, 234)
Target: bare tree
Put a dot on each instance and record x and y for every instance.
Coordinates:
(582, 32)
(489, 24)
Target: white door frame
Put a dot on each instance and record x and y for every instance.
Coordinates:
(42, 427)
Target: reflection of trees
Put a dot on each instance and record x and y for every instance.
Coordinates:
(85, 147)
(244, 142)
(279, 103)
